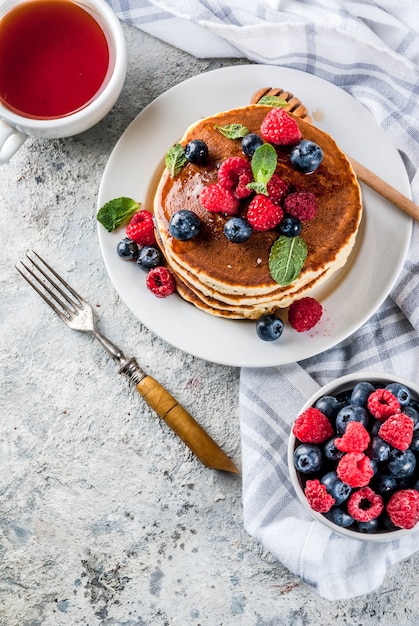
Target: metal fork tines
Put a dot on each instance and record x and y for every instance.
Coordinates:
(61, 297)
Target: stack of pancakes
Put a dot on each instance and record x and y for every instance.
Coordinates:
(232, 280)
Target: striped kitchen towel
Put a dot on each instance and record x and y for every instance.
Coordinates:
(371, 50)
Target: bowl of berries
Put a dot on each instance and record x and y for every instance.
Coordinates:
(353, 456)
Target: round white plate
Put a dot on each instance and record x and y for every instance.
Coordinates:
(349, 298)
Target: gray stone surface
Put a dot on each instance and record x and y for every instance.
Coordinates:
(105, 517)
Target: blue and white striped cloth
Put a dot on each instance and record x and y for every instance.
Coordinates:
(371, 50)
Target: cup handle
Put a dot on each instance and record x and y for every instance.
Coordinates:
(10, 141)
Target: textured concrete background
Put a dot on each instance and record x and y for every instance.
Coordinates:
(105, 517)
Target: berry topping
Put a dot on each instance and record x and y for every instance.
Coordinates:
(280, 128)
(269, 327)
(308, 458)
(148, 257)
(277, 188)
(397, 430)
(262, 214)
(312, 426)
(301, 204)
(403, 508)
(306, 156)
(355, 469)
(235, 173)
(250, 143)
(216, 199)
(160, 281)
(365, 505)
(196, 151)
(317, 496)
(355, 438)
(304, 314)
(290, 226)
(140, 228)
(382, 404)
(127, 249)
(184, 225)
(237, 229)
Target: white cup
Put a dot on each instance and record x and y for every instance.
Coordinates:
(15, 127)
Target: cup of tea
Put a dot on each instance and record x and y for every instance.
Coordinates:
(62, 67)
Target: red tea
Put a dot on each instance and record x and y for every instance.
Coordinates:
(54, 57)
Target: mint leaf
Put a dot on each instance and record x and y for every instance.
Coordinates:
(175, 159)
(259, 188)
(264, 162)
(115, 212)
(232, 131)
(286, 259)
(273, 101)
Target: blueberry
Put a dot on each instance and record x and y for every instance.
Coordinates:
(411, 412)
(329, 405)
(269, 327)
(250, 142)
(148, 257)
(196, 151)
(379, 450)
(237, 230)
(361, 392)
(331, 452)
(184, 225)
(339, 517)
(306, 156)
(337, 489)
(414, 445)
(384, 484)
(308, 458)
(375, 427)
(367, 527)
(127, 249)
(401, 392)
(351, 413)
(401, 463)
(290, 226)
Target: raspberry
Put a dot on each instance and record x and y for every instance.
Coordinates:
(234, 174)
(365, 505)
(355, 438)
(403, 508)
(317, 496)
(262, 214)
(382, 404)
(304, 314)
(354, 469)
(280, 128)
(312, 426)
(397, 430)
(301, 204)
(140, 228)
(160, 281)
(277, 188)
(216, 199)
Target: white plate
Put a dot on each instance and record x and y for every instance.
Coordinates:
(349, 298)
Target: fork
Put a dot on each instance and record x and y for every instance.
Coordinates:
(74, 311)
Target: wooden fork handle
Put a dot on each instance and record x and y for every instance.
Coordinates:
(184, 425)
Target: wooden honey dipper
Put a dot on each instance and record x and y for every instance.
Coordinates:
(297, 108)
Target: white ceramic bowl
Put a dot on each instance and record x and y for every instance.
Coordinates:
(335, 387)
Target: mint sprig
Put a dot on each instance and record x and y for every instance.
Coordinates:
(116, 212)
(273, 101)
(286, 259)
(175, 159)
(232, 131)
(263, 165)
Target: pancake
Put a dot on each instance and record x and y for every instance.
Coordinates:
(233, 280)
